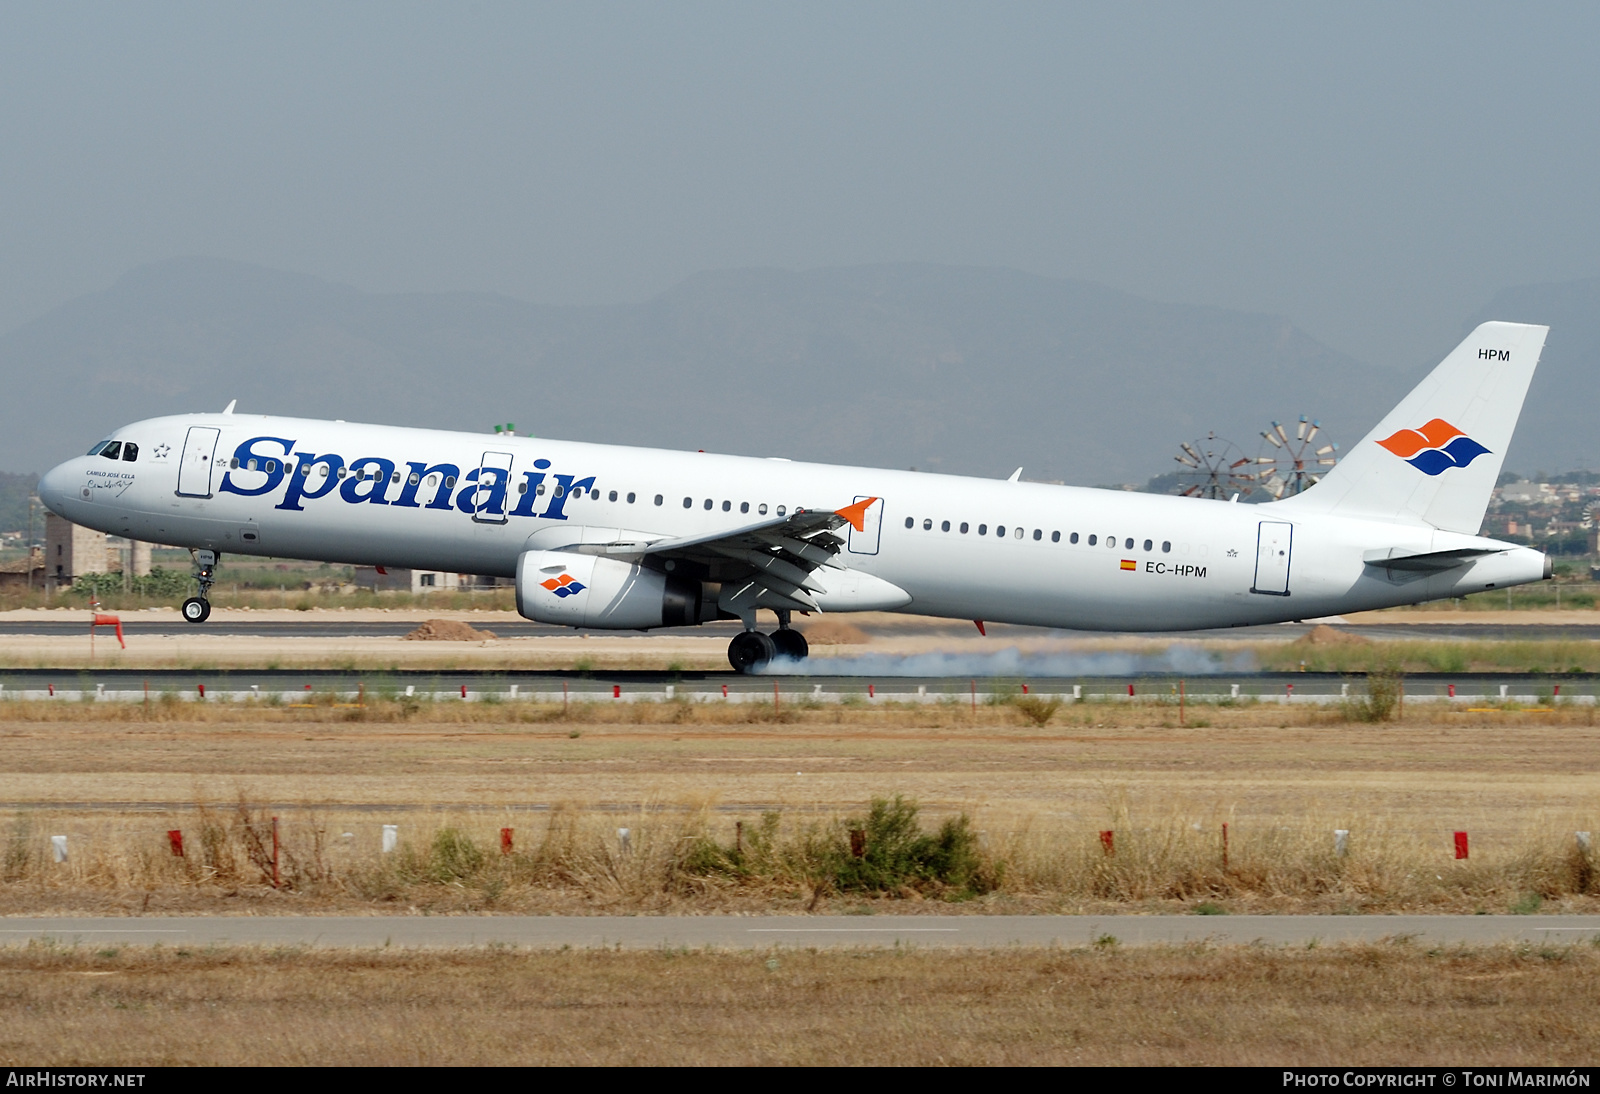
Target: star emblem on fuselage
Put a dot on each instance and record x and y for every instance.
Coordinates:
(1233, 552)
(161, 451)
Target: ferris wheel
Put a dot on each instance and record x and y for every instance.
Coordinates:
(1214, 468)
(1290, 465)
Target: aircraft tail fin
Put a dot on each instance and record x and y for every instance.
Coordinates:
(1435, 458)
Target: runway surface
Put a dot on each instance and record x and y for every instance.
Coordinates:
(760, 932)
(233, 626)
(290, 685)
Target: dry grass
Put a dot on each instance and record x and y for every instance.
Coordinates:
(683, 775)
(1194, 1006)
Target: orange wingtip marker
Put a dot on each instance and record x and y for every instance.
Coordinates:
(856, 514)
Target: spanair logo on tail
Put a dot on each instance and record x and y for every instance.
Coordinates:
(563, 586)
(1435, 448)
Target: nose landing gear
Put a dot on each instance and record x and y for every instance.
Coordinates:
(197, 609)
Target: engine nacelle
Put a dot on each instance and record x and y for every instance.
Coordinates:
(575, 590)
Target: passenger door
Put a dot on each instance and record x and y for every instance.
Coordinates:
(199, 454)
(1274, 543)
(865, 542)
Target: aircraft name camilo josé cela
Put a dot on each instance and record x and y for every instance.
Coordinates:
(613, 537)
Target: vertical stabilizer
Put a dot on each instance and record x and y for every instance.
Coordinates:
(1435, 458)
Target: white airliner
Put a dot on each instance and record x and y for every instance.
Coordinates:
(601, 536)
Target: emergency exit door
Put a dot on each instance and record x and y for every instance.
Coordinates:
(1274, 546)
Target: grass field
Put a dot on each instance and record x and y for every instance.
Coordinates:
(741, 807)
(1392, 1004)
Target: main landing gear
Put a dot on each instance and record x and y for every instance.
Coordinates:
(752, 649)
(197, 609)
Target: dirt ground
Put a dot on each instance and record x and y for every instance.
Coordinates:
(1197, 1006)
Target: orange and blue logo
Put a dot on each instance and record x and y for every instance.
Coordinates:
(563, 586)
(1435, 448)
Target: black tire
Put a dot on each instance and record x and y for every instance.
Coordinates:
(750, 649)
(196, 610)
(791, 644)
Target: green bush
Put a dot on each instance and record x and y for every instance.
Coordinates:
(895, 853)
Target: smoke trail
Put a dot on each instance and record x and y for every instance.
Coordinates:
(1011, 661)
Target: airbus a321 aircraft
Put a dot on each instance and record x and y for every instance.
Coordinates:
(608, 537)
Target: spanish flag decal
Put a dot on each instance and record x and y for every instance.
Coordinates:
(1129, 564)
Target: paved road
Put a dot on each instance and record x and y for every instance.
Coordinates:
(760, 932)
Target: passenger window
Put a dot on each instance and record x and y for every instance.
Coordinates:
(762, 509)
(1074, 538)
(272, 465)
(911, 522)
(983, 529)
(449, 480)
(1055, 537)
(1037, 535)
(130, 451)
(963, 527)
(708, 504)
(538, 491)
(659, 499)
(1148, 545)
(927, 525)
(727, 507)
(612, 496)
(782, 510)
(249, 465)
(1128, 544)
(1000, 530)
(944, 527)
(114, 449)
(1166, 546)
(744, 507)
(1093, 539)
(522, 488)
(411, 478)
(688, 503)
(594, 495)
(396, 478)
(1018, 533)
(1111, 542)
(558, 493)
(630, 497)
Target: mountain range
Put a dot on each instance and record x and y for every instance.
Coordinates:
(953, 369)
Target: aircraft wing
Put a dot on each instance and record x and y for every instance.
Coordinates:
(767, 564)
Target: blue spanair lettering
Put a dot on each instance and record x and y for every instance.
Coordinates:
(529, 495)
(466, 501)
(306, 475)
(420, 471)
(564, 488)
(246, 452)
(371, 488)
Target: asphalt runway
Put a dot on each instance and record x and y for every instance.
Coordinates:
(233, 626)
(289, 685)
(798, 932)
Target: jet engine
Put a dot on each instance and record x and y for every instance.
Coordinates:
(575, 590)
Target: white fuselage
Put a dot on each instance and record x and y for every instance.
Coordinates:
(966, 548)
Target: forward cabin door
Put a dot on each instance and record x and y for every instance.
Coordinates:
(1273, 546)
(865, 542)
(490, 505)
(199, 454)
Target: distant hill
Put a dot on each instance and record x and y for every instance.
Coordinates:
(942, 368)
(1560, 427)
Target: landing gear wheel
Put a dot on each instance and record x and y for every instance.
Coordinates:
(750, 649)
(196, 610)
(791, 644)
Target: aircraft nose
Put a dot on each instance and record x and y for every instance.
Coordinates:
(56, 485)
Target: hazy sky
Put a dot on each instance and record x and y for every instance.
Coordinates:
(1373, 172)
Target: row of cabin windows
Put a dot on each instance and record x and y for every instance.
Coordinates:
(116, 450)
(271, 466)
(1018, 532)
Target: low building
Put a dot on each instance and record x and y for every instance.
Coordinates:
(23, 573)
(71, 550)
(400, 579)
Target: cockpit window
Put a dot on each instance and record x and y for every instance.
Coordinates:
(112, 450)
(95, 451)
(130, 451)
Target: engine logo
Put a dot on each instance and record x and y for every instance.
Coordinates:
(563, 586)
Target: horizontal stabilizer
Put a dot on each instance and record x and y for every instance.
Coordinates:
(1432, 562)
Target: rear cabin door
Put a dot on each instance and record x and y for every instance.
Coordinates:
(194, 469)
(865, 542)
(489, 503)
(1273, 546)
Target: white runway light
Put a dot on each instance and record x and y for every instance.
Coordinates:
(391, 837)
(58, 848)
